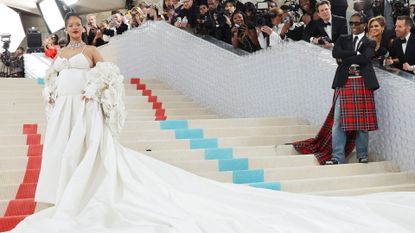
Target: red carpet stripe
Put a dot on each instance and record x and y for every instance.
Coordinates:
(160, 112)
(24, 203)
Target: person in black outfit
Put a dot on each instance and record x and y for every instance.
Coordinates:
(361, 54)
(327, 29)
(354, 83)
(188, 11)
(339, 7)
(353, 111)
(402, 52)
(382, 37)
(308, 10)
(117, 25)
(243, 37)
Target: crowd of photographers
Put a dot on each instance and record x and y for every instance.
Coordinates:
(252, 27)
(11, 64)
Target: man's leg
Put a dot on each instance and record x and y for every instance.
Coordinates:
(338, 135)
(362, 142)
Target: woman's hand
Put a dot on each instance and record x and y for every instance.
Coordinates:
(86, 98)
(51, 100)
(228, 20)
(267, 30)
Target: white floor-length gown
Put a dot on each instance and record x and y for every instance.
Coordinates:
(100, 186)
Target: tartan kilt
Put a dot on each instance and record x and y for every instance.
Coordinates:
(354, 116)
(357, 106)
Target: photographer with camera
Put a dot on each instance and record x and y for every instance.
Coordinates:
(243, 37)
(137, 17)
(217, 24)
(117, 25)
(17, 63)
(12, 65)
(281, 28)
(204, 23)
(91, 28)
(187, 15)
(325, 31)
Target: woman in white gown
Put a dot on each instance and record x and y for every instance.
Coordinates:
(97, 185)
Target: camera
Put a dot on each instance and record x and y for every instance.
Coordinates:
(264, 19)
(323, 40)
(5, 38)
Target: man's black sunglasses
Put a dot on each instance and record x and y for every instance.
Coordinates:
(355, 23)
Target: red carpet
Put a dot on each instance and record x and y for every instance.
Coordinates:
(24, 203)
(160, 113)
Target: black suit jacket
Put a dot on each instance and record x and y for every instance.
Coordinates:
(316, 28)
(397, 52)
(343, 49)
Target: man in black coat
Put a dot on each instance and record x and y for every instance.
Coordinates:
(402, 52)
(348, 52)
(327, 29)
(354, 83)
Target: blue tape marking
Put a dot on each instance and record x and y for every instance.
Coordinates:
(189, 133)
(219, 153)
(233, 164)
(203, 143)
(248, 176)
(267, 185)
(40, 81)
(174, 124)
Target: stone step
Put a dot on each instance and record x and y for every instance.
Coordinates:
(160, 92)
(13, 150)
(240, 122)
(219, 132)
(13, 163)
(40, 106)
(39, 206)
(146, 80)
(13, 140)
(21, 89)
(193, 163)
(222, 142)
(160, 98)
(368, 190)
(227, 153)
(149, 86)
(309, 172)
(165, 105)
(348, 182)
(202, 166)
(42, 119)
(8, 192)
(217, 123)
(11, 176)
(17, 129)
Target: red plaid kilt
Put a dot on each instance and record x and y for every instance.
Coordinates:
(357, 106)
(357, 113)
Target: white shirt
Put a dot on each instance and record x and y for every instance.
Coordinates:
(359, 38)
(274, 38)
(404, 44)
(328, 28)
